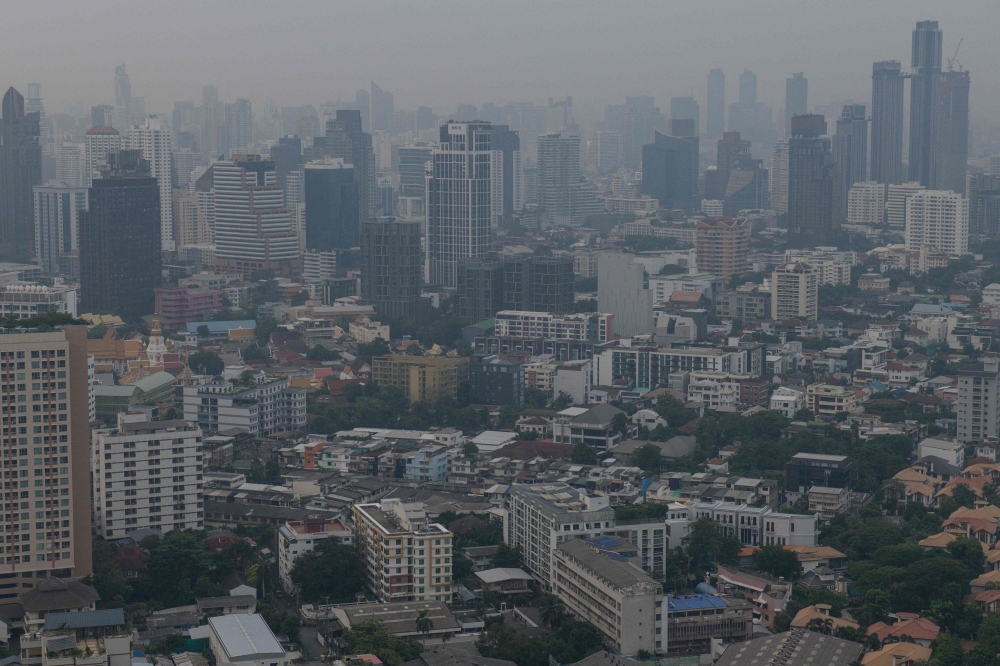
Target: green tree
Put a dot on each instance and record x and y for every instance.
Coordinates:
(108, 579)
(372, 637)
(948, 650)
(330, 571)
(377, 347)
(206, 363)
(964, 496)
(777, 561)
(424, 624)
(266, 326)
(506, 557)
(552, 610)
(648, 457)
(204, 332)
(584, 454)
(470, 449)
(707, 542)
(803, 415)
(176, 563)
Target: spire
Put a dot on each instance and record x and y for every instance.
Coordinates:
(156, 325)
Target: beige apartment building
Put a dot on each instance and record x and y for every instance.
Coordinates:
(422, 378)
(722, 246)
(830, 399)
(795, 292)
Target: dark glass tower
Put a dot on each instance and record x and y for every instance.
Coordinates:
(796, 99)
(392, 267)
(670, 168)
(20, 171)
(715, 115)
(850, 149)
(344, 139)
(332, 220)
(952, 131)
(538, 284)
(887, 122)
(813, 204)
(924, 81)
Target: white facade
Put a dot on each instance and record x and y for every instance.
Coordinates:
(977, 409)
(153, 138)
(794, 292)
(991, 294)
(939, 218)
(98, 143)
(573, 379)
(787, 401)
(25, 301)
(71, 163)
(895, 203)
(866, 204)
(711, 207)
(622, 289)
(779, 177)
(296, 538)
(147, 474)
(583, 326)
(269, 406)
(57, 222)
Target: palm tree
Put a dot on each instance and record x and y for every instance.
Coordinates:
(445, 637)
(424, 625)
(552, 610)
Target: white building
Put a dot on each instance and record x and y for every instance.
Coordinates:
(866, 204)
(245, 640)
(594, 326)
(895, 203)
(573, 379)
(99, 141)
(787, 401)
(318, 265)
(721, 396)
(939, 218)
(795, 292)
(622, 289)
(269, 405)
(952, 452)
(71, 163)
(298, 537)
(752, 525)
(57, 220)
(711, 207)
(779, 177)
(25, 301)
(978, 404)
(147, 474)
(152, 136)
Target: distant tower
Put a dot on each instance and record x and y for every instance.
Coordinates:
(850, 149)
(716, 110)
(99, 141)
(20, 171)
(924, 81)
(813, 201)
(887, 123)
(152, 136)
(953, 130)
(686, 108)
(796, 99)
(123, 99)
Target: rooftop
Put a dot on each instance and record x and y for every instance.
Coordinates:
(245, 636)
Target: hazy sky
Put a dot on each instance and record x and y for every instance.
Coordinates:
(446, 52)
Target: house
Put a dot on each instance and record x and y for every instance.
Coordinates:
(505, 580)
(131, 561)
(482, 556)
(919, 630)
(647, 418)
(235, 585)
(813, 557)
(55, 595)
(228, 605)
(818, 617)
(593, 426)
(897, 654)
(950, 451)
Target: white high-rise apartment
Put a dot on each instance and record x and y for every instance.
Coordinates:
(895, 203)
(71, 163)
(98, 143)
(939, 218)
(779, 177)
(866, 204)
(794, 292)
(978, 406)
(152, 136)
(147, 474)
(57, 215)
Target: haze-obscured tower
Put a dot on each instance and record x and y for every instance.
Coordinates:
(924, 81)
(123, 99)
(57, 213)
(686, 108)
(796, 99)
(813, 202)
(887, 122)
(670, 167)
(20, 172)
(345, 140)
(953, 130)
(715, 119)
(850, 149)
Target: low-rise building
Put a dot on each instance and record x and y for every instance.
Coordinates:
(830, 399)
(828, 502)
(504, 580)
(422, 378)
(787, 401)
(429, 463)
(691, 621)
(245, 640)
(593, 426)
(366, 331)
(806, 470)
(261, 407)
(298, 537)
(594, 326)
(495, 381)
(749, 303)
(25, 301)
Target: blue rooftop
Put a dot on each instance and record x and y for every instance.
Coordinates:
(606, 542)
(694, 602)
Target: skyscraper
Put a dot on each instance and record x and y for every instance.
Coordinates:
(924, 81)
(344, 139)
(729, 149)
(635, 121)
(458, 200)
(813, 197)
(120, 239)
(239, 127)
(939, 218)
(716, 111)
(57, 212)
(152, 137)
(331, 197)
(99, 141)
(887, 122)
(538, 283)
(670, 168)
(381, 108)
(102, 116)
(123, 99)
(722, 246)
(392, 267)
(779, 177)
(20, 171)
(984, 205)
(287, 156)
(952, 131)
(413, 161)
(253, 227)
(743, 114)
(479, 289)
(211, 120)
(686, 108)
(559, 176)
(506, 171)
(796, 99)
(850, 149)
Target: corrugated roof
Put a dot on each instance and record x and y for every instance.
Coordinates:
(245, 636)
(85, 619)
(695, 602)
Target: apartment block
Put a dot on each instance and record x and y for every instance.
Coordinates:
(866, 204)
(405, 557)
(939, 218)
(794, 292)
(422, 378)
(722, 246)
(649, 367)
(978, 404)
(263, 406)
(830, 399)
(299, 537)
(748, 303)
(593, 326)
(147, 474)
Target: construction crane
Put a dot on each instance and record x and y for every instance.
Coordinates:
(954, 59)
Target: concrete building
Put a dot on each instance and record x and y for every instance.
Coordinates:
(692, 622)
(939, 218)
(559, 191)
(134, 490)
(806, 470)
(850, 149)
(152, 137)
(595, 327)
(60, 544)
(422, 378)
(404, 556)
(924, 115)
(779, 177)
(830, 399)
(794, 292)
(722, 247)
(748, 303)
(25, 301)
(895, 203)
(299, 537)
(622, 288)
(99, 141)
(392, 267)
(866, 204)
(495, 381)
(978, 404)
(538, 283)
(796, 99)
(648, 367)
(887, 122)
(267, 406)
(57, 222)
(786, 401)
(20, 171)
(573, 379)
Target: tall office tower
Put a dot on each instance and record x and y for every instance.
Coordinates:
(71, 163)
(381, 108)
(795, 292)
(559, 177)
(866, 204)
(715, 115)
(190, 222)
(32, 104)
(253, 227)
(344, 139)
(102, 116)
(813, 179)
(239, 126)
(939, 218)
(479, 289)
(123, 100)
(506, 171)
(211, 120)
(779, 177)
(152, 136)
(984, 205)
(635, 121)
(686, 108)
(331, 194)
(850, 149)
(748, 187)
(623, 288)
(895, 203)
(887, 122)
(458, 200)
(99, 141)
(670, 168)
(978, 413)
(136, 487)
(120, 239)
(287, 157)
(413, 160)
(56, 475)
(185, 162)
(796, 99)
(363, 104)
(606, 151)
(924, 82)
(57, 222)
(952, 132)
(538, 283)
(743, 114)
(722, 246)
(183, 120)
(20, 171)
(730, 148)
(392, 267)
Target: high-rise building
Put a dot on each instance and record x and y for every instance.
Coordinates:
(978, 413)
(850, 149)
(559, 176)
(887, 122)
(20, 172)
(670, 168)
(120, 239)
(939, 218)
(715, 115)
(794, 292)
(866, 204)
(495, 381)
(730, 148)
(212, 119)
(123, 100)
(796, 99)
(479, 289)
(722, 246)
(506, 171)
(459, 200)
(422, 378)
(191, 224)
(345, 140)
(634, 121)
(895, 203)
(287, 156)
(984, 205)
(152, 137)
(622, 288)
(743, 114)
(924, 82)
(239, 127)
(952, 132)
(57, 213)
(147, 475)
(102, 115)
(253, 227)
(413, 160)
(392, 267)
(779, 177)
(686, 108)
(56, 476)
(813, 201)
(606, 151)
(381, 108)
(331, 197)
(538, 283)
(70, 159)
(99, 141)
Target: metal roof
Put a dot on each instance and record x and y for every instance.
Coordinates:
(695, 602)
(245, 636)
(85, 619)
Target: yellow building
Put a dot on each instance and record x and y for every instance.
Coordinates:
(830, 399)
(422, 378)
